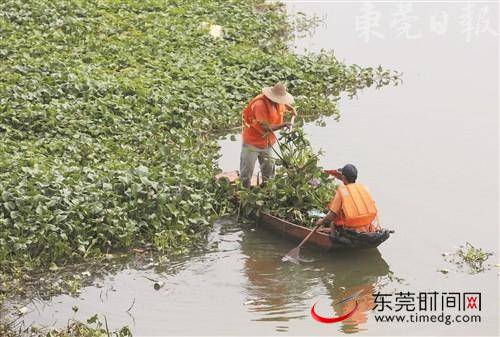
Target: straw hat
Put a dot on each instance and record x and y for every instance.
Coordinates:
(278, 94)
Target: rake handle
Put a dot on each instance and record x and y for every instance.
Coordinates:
(308, 236)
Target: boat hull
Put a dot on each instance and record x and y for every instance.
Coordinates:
(294, 232)
(343, 239)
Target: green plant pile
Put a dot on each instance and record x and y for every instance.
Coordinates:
(93, 327)
(300, 184)
(108, 110)
(471, 256)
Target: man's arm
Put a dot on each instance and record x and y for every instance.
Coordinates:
(260, 110)
(334, 173)
(270, 127)
(330, 217)
(333, 210)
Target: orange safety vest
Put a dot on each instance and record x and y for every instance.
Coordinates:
(252, 133)
(358, 207)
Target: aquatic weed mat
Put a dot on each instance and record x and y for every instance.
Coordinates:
(108, 114)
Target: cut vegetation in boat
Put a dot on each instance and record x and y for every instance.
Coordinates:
(297, 196)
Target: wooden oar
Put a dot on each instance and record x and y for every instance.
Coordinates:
(294, 254)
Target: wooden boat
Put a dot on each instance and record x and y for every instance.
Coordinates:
(342, 239)
(295, 232)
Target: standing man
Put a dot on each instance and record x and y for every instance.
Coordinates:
(352, 206)
(262, 116)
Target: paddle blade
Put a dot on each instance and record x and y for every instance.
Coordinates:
(292, 256)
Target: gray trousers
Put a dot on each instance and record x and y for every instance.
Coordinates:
(249, 155)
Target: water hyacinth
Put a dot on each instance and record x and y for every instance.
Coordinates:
(300, 185)
(472, 257)
(109, 114)
(314, 182)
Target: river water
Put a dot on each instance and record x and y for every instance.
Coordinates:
(428, 150)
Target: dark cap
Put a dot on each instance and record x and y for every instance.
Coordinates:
(349, 171)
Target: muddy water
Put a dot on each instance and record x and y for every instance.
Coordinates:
(428, 150)
(236, 285)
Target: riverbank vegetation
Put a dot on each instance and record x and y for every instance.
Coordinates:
(94, 326)
(108, 115)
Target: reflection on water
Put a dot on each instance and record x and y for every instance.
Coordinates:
(281, 291)
(356, 272)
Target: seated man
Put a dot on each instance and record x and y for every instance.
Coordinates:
(352, 206)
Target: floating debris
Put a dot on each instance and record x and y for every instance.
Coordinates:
(393, 278)
(22, 311)
(147, 266)
(35, 328)
(444, 271)
(215, 31)
(131, 306)
(158, 285)
(315, 213)
(150, 279)
(471, 256)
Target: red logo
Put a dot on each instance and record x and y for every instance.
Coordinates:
(336, 319)
(471, 302)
